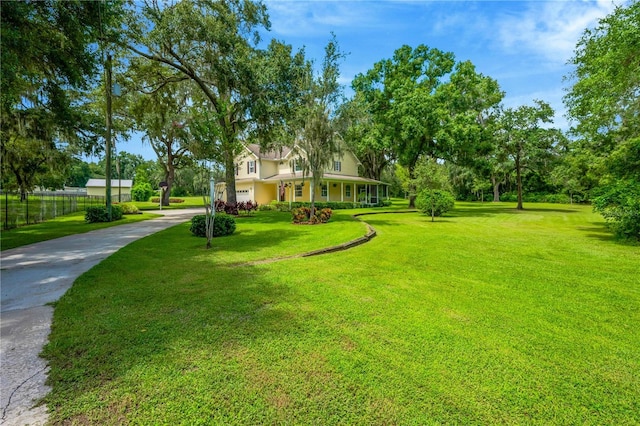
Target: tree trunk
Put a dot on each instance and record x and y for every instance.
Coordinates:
(169, 177)
(412, 189)
(312, 194)
(496, 189)
(230, 177)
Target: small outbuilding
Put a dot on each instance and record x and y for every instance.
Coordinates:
(98, 188)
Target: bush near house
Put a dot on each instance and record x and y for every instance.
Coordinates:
(223, 224)
(303, 215)
(235, 208)
(99, 214)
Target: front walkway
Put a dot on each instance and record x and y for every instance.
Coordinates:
(33, 276)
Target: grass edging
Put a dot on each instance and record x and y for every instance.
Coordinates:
(371, 233)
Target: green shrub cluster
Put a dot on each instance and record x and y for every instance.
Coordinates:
(619, 204)
(142, 191)
(179, 191)
(303, 215)
(223, 224)
(435, 202)
(99, 214)
(128, 208)
(267, 208)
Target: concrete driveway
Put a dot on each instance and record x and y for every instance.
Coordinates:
(37, 274)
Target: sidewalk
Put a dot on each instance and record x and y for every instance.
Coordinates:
(34, 275)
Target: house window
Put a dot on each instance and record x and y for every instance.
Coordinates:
(324, 190)
(298, 190)
(347, 191)
(297, 165)
(337, 166)
(251, 167)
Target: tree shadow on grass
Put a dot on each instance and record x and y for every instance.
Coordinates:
(599, 231)
(148, 333)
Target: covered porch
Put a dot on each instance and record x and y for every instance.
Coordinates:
(334, 188)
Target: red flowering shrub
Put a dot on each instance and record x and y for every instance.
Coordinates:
(303, 215)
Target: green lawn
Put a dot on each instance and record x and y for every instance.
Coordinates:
(188, 202)
(61, 226)
(488, 315)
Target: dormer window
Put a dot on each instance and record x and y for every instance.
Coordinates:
(297, 165)
(337, 166)
(251, 167)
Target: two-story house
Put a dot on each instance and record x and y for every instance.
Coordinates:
(267, 176)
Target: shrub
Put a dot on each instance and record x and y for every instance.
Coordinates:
(300, 214)
(383, 203)
(303, 215)
(179, 191)
(619, 204)
(247, 206)
(156, 200)
(128, 208)
(222, 225)
(283, 206)
(267, 208)
(435, 202)
(235, 208)
(96, 214)
(142, 191)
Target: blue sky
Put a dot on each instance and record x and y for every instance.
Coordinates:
(524, 45)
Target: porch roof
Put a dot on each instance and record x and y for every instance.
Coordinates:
(288, 177)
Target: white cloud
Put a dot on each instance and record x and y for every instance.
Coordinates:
(550, 29)
(296, 18)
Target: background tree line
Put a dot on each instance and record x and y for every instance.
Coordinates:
(198, 83)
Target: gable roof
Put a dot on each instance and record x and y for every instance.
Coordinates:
(101, 183)
(256, 150)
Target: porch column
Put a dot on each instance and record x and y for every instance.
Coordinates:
(278, 192)
(341, 192)
(293, 186)
(378, 193)
(328, 189)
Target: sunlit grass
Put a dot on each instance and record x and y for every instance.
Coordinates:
(488, 315)
(188, 202)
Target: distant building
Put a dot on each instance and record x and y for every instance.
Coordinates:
(98, 188)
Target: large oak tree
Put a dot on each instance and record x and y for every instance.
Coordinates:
(246, 91)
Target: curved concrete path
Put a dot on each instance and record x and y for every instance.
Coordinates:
(34, 275)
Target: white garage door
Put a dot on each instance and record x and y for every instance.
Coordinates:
(243, 195)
